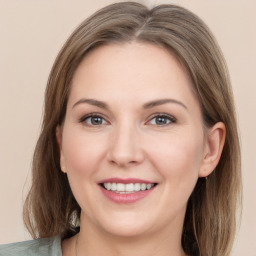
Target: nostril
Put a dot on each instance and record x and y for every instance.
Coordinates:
(125, 152)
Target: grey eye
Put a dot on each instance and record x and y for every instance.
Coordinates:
(94, 120)
(162, 120)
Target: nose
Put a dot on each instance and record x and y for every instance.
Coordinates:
(125, 148)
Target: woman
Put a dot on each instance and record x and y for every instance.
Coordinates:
(139, 152)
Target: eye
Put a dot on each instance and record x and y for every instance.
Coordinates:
(162, 119)
(93, 120)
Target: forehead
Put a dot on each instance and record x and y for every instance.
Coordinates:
(134, 69)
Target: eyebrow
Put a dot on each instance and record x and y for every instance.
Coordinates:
(156, 103)
(93, 102)
(148, 105)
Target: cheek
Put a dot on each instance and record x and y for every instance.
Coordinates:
(82, 153)
(178, 157)
(179, 166)
(82, 156)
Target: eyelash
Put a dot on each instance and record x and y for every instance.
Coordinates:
(170, 119)
(91, 115)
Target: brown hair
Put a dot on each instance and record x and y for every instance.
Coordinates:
(210, 222)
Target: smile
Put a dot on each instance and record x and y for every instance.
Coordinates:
(126, 191)
(122, 188)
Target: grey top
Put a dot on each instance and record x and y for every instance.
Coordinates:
(38, 247)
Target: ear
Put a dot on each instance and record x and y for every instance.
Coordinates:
(215, 139)
(59, 141)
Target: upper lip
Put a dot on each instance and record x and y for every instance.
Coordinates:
(125, 181)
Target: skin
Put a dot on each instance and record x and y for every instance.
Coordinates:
(128, 142)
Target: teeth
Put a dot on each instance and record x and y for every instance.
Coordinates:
(149, 186)
(108, 187)
(143, 186)
(113, 186)
(119, 186)
(137, 187)
(127, 188)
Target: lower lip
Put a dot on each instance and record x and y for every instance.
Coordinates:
(126, 198)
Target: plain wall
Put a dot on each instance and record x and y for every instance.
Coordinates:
(31, 34)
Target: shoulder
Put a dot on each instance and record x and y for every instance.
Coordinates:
(38, 247)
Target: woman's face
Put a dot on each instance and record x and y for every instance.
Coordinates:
(133, 142)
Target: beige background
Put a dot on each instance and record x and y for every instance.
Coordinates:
(32, 32)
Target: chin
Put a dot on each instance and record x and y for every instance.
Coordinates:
(127, 231)
(128, 226)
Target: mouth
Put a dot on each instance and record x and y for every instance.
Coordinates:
(127, 188)
(126, 191)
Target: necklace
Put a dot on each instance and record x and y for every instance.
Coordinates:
(76, 244)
